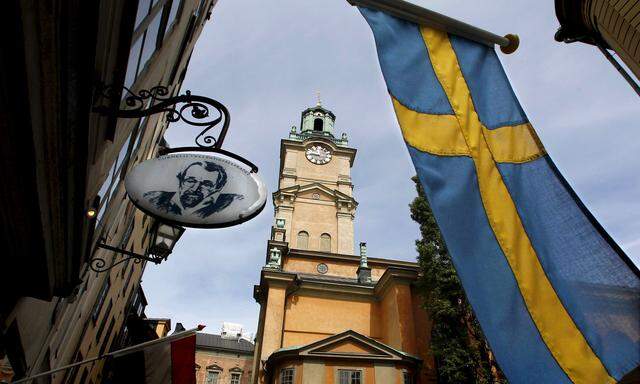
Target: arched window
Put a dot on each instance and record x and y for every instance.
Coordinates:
(325, 242)
(303, 240)
(317, 124)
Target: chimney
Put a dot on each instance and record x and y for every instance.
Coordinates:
(364, 272)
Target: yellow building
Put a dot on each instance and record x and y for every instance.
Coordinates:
(327, 315)
(60, 160)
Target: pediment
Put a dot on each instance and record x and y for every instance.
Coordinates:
(316, 194)
(311, 188)
(214, 367)
(352, 345)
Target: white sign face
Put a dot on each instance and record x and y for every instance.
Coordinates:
(196, 190)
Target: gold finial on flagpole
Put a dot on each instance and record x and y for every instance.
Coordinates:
(319, 104)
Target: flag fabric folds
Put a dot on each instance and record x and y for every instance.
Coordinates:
(557, 299)
(171, 362)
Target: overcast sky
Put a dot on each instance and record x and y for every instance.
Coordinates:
(265, 60)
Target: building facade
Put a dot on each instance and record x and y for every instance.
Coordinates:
(326, 314)
(611, 24)
(223, 360)
(62, 161)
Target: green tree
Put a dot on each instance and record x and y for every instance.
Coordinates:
(457, 343)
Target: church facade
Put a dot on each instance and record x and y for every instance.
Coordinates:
(328, 315)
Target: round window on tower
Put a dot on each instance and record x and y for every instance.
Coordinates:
(322, 268)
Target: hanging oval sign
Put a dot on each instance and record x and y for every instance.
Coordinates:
(196, 190)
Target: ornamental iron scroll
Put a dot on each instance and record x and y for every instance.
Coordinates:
(194, 110)
(99, 264)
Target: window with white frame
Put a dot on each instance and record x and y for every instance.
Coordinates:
(350, 376)
(212, 377)
(287, 376)
(235, 378)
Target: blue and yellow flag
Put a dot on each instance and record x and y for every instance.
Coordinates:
(557, 299)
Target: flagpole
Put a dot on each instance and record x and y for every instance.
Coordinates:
(117, 353)
(415, 14)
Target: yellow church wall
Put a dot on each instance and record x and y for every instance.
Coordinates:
(312, 318)
(336, 267)
(273, 318)
(397, 318)
(349, 347)
(313, 372)
(325, 173)
(315, 219)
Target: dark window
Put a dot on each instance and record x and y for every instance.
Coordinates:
(317, 124)
(103, 322)
(102, 295)
(350, 377)
(150, 40)
(132, 64)
(406, 378)
(286, 376)
(144, 6)
(83, 378)
(72, 373)
(213, 377)
(200, 7)
(126, 284)
(235, 378)
(103, 347)
(176, 5)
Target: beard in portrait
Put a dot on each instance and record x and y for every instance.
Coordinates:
(199, 186)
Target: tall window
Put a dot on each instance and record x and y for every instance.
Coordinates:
(102, 295)
(325, 242)
(103, 322)
(286, 376)
(303, 240)
(317, 125)
(212, 377)
(350, 377)
(406, 378)
(173, 12)
(235, 378)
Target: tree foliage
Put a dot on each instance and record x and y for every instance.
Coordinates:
(457, 343)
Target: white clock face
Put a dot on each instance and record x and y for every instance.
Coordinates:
(318, 154)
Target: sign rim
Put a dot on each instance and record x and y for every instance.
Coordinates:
(191, 225)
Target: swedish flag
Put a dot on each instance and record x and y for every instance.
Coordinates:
(558, 300)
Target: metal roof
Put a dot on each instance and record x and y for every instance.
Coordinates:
(216, 342)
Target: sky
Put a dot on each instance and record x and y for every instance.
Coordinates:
(266, 61)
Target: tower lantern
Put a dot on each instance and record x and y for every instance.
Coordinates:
(318, 120)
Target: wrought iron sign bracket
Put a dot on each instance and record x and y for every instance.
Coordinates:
(191, 109)
(99, 264)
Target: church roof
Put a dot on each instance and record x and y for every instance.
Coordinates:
(345, 345)
(319, 108)
(210, 341)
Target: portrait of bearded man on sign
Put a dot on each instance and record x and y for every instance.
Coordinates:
(198, 193)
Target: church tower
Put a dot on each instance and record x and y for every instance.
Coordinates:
(314, 204)
(328, 315)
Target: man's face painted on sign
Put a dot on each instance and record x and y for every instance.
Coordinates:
(196, 185)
